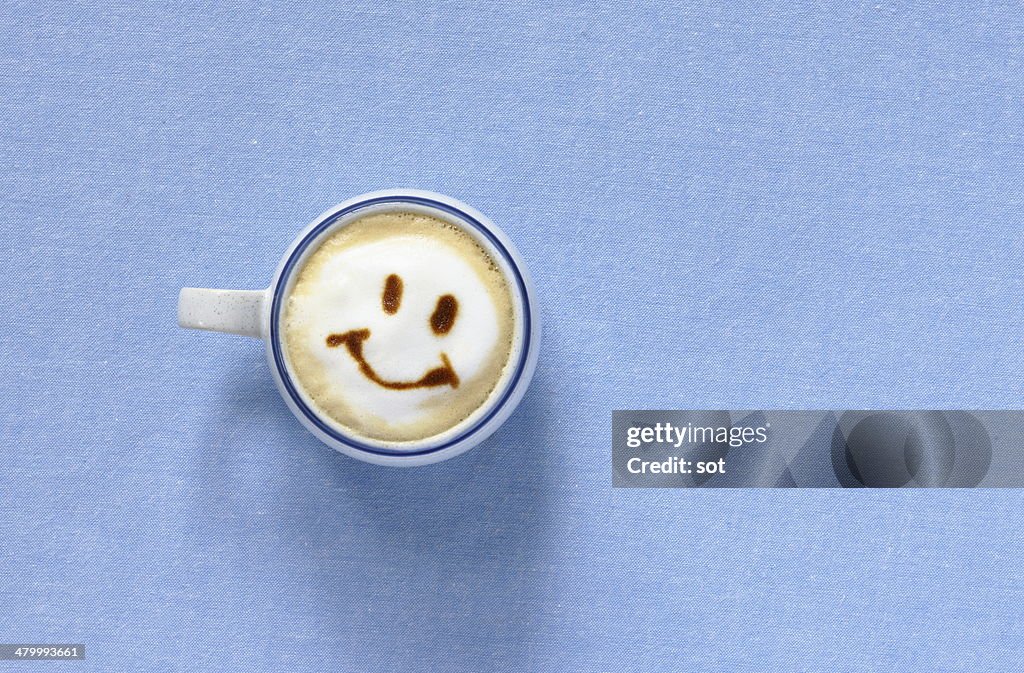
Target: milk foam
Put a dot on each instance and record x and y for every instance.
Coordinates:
(339, 291)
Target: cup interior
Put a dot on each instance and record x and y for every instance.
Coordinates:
(491, 239)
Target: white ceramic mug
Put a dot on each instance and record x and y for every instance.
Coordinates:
(257, 313)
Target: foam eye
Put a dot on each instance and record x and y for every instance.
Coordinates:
(443, 318)
(392, 297)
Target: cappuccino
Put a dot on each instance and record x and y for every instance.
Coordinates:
(399, 327)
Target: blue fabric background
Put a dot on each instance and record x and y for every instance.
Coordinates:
(771, 205)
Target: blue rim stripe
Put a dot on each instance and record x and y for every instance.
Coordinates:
(278, 302)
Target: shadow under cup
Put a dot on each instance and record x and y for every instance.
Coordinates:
(513, 381)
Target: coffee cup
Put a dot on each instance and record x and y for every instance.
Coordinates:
(400, 326)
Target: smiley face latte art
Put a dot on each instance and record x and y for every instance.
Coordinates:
(399, 326)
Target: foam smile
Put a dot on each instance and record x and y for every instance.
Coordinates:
(353, 342)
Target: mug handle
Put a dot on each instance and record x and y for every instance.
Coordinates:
(230, 311)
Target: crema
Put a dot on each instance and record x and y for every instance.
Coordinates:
(399, 326)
